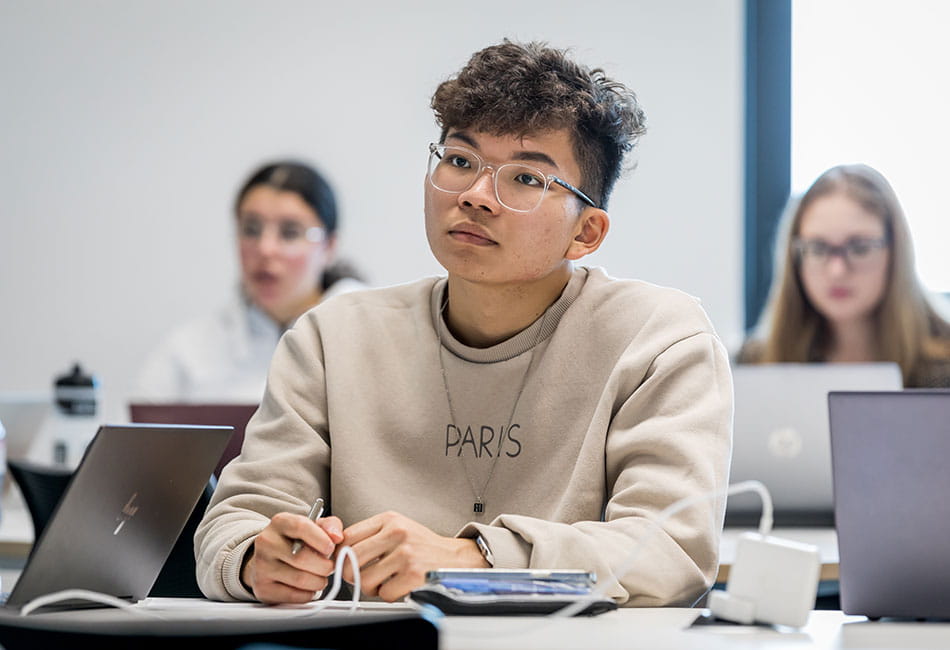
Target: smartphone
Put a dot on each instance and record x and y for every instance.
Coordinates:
(572, 577)
(510, 591)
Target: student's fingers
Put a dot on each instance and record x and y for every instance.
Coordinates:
(333, 527)
(363, 529)
(298, 527)
(275, 594)
(400, 584)
(374, 576)
(276, 582)
(374, 538)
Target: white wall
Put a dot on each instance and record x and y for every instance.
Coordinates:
(126, 127)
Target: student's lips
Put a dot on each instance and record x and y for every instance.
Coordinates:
(471, 235)
(265, 279)
(839, 293)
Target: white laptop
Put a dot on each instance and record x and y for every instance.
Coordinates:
(892, 513)
(781, 435)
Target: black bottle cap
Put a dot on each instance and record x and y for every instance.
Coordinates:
(76, 392)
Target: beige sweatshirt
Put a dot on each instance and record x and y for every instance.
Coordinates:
(626, 408)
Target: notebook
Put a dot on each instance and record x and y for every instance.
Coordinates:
(122, 512)
(781, 435)
(889, 452)
(234, 415)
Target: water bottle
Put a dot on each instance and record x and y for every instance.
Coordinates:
(75, 394)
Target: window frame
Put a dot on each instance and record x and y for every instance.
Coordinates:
(768, 152)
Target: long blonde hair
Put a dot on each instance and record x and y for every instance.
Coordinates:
(909, 330)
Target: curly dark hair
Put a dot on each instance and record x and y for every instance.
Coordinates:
(517, 89)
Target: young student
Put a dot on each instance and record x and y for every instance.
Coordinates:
(847, 289)
(287, 234)
(520, 412)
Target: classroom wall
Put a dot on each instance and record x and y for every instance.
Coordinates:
(127, 127)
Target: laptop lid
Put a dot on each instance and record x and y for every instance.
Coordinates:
(233, 415)
(781, 436)
(122, 512)
(892, 512)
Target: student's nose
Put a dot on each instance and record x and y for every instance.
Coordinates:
(269, 242)
(481, 194)
(837, 265)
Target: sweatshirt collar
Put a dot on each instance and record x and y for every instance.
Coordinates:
(516, 345)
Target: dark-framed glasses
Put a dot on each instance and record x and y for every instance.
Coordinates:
(858, 253)
(518, 187)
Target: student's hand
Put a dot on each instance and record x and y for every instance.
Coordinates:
(394, 553)
(275, 575)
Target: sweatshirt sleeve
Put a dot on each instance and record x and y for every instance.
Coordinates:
(283, 465)
(669, 438)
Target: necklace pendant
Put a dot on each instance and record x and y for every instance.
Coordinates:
(478, 507)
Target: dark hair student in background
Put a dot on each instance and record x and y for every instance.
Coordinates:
(287, 225)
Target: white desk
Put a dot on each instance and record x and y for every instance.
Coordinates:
(629, 629)
(669, 628)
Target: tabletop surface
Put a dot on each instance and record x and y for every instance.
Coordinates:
(630, 628)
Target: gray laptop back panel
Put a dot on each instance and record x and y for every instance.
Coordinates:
(122, 511)
(781, 435)
(891, 459)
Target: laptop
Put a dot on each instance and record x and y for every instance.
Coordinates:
(891, 485)
(233, 415)
(781, 436)
(122, 512)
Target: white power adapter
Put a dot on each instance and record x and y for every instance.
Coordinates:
(771, 581)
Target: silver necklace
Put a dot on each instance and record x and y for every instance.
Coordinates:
(478, 507)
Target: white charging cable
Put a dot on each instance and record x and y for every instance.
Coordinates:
(343, 553)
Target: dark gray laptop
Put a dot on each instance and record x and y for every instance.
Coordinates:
(122, 512)
(781, 435)
(890, 454)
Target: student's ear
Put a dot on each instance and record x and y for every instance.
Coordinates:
(591, 229)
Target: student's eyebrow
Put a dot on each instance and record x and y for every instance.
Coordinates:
(527, 156)
(464, 137)
(536, 156)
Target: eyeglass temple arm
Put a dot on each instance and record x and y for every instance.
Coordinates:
(586, 199)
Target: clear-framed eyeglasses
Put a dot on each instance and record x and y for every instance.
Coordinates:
(858, 253)
(518, 187)
(291, 235)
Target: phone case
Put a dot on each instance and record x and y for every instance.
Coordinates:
(454, 602)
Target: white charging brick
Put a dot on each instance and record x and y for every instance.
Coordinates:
(773, 580)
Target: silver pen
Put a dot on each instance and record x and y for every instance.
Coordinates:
(316, 511)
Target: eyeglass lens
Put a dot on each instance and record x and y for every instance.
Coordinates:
(856, 253)
(289, 233)
(517, 187)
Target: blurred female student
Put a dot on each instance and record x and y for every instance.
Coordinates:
(286, 234)
(845, 287)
